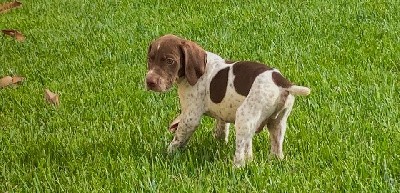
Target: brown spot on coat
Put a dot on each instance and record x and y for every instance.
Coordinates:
(218, 85)
(245, 74)
(281, 81)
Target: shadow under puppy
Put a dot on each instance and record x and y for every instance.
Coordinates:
(249, 94)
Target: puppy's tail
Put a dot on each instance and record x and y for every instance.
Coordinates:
(299, 90)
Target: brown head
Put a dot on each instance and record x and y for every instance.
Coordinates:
(169, 58)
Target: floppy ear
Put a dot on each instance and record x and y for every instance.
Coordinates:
(194, 61)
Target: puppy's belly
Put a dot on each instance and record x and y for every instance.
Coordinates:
(226, 109)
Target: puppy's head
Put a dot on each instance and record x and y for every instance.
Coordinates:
(169, 58)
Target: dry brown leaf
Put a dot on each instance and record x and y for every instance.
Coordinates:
(17, 79)
(5, 81)
(5, 7)
(19, 37)
(15, 34)
(51, 97)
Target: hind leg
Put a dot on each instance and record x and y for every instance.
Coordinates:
(277, 128)
(221, 130)
(244, 137)
(259, 104)
(248, 118)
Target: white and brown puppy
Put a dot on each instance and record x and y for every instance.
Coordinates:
(249, 94)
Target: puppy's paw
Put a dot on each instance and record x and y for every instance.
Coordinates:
(238, 163)
(172, 149)
(174, 146)
(276, 156)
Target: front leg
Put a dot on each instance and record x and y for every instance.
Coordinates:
(186, 127)
(192, 108)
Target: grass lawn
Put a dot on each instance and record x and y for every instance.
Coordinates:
(110, 135)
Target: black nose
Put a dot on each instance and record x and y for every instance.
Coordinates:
(151, 82)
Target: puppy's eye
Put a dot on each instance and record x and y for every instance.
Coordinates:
(170, 61)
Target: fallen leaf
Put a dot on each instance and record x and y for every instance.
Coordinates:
(19, 37)
(51, 97)
(5, 7)
(15, 34)
(5, 81)
(17, 79)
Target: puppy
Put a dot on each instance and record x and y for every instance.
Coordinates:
(249, 94)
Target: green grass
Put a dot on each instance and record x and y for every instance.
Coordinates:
(110, 134)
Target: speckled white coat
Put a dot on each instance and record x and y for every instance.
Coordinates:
(265, 101)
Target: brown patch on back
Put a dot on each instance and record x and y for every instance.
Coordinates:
(218, 85)
(245, 74)
(281, 81)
